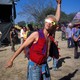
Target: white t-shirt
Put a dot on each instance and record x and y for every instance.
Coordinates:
(21, 33)
(69, 32)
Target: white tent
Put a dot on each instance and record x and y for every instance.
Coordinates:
(76, 19)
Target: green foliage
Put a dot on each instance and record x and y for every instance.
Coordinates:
(66, 17)
(46, 11)
(22, 23)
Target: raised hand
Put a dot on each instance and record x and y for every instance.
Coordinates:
(58, 1)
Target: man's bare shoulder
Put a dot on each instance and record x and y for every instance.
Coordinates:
(33, 37)
(35, 33)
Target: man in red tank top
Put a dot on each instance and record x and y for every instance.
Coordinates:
(35, 68)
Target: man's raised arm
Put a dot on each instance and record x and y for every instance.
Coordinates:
(58, 10)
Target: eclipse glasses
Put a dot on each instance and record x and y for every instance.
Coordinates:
(54, 23)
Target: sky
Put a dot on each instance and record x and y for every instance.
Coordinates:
(67, 6)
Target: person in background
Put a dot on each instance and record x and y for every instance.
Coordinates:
(30, 29)
(40, 41)
(76, 38)
(54, 48)
(24, 33)
(54, 53)
(70, 42)
(24, 37)
(21, 35)
(63, 29)
(13, 38)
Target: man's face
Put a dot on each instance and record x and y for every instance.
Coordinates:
(50, 24)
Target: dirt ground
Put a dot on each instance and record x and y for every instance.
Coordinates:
(68, 67)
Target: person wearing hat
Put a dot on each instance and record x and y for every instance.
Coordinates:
(76, 38)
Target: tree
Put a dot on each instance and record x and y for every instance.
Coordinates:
(71, 16)
(39, 9)
(66, 17)
(22, 23)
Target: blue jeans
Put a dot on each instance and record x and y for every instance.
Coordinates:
(55, 61)
(70, 42)
(35, 72)
(49, 59)
(45, 72)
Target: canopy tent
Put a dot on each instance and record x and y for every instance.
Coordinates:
(7, 16)
(76, 19)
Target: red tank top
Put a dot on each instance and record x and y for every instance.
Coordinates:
(38, 50)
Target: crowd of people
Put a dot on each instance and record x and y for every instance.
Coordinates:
(72, 34)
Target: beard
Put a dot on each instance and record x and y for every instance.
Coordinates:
(51, 30)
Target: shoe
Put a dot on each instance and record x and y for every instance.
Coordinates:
(49, 59)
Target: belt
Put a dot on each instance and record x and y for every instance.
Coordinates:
(35, 63)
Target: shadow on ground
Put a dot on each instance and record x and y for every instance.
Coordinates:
(61, 60)
(69, 76)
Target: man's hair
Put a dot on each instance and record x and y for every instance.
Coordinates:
(50, 16)
(53, 28)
